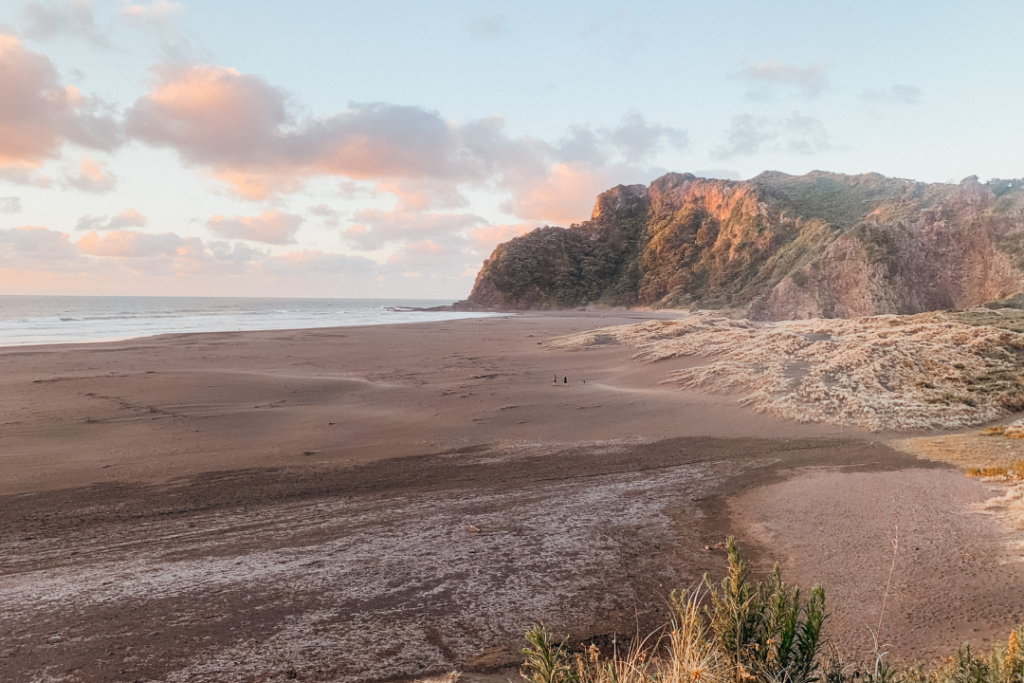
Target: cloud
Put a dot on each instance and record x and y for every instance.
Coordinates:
(331, 218)
(303, 263)
(245, 133)
(491, 26)
(129, 218)
(807, 135)
(37, 256)
(634, 139)
(25, 176)
(897, 94)
(160, 19)
(565, 195)
(128, 244)
(159, 13)
(748, 134)
(34, 243)
(638, 140)
(373, 228)
(49, 19)
(10, 204)
(487, 237)
(425, 194)
(91, 176)
(766, 78)
(38, 115)
(270, 227)
(240, 128)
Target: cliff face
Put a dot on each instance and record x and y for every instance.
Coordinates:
(819, 245)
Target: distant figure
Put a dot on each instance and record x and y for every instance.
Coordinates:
(565, 380)
(584, 381)
(554, 380)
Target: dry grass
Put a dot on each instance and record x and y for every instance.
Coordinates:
(881, 373)
(1007, 508)
(976, 453)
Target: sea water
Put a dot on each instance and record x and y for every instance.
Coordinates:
(69, 319)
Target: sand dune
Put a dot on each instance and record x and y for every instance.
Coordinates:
(925, 371)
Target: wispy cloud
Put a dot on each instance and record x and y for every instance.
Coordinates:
(129, 218)
(748, 135)
(329, 216)
(10, 204)
(766, 79)
(91, 176)
(160, 19)
(897, 94)
(49, 19)
(270, 227)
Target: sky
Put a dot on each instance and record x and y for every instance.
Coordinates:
(382, 149)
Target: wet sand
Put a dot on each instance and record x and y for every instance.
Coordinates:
(275, 505)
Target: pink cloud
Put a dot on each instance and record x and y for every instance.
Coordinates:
(270, 227)
(375, 227)
(91, 176)
(489, 236)
(566, 195)
(128, 244)
(239, 127)
(246, 133)
(38, 116)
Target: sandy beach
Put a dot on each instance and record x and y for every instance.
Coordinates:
(380, 503)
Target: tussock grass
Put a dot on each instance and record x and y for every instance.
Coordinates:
(926, 371)
(745, 632)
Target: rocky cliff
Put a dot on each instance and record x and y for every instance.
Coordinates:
(820, 245)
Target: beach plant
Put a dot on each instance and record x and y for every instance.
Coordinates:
(546, 662)
(765, 630)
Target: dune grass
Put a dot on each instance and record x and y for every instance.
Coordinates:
(926, 371)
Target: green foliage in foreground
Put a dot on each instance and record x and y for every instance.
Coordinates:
(741, 631)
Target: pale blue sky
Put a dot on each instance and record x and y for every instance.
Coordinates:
(589, 95)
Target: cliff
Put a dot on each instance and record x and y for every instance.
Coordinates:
(785, 247)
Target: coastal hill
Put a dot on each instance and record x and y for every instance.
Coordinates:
(822, 245)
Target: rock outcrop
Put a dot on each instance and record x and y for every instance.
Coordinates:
(786, 247)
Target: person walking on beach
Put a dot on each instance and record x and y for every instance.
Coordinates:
(554, 380)
(565, 380)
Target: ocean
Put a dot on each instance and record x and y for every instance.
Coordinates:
(70, 319)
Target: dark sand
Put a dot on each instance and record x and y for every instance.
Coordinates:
(183, 509)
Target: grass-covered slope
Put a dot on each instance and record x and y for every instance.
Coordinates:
(819, 245)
